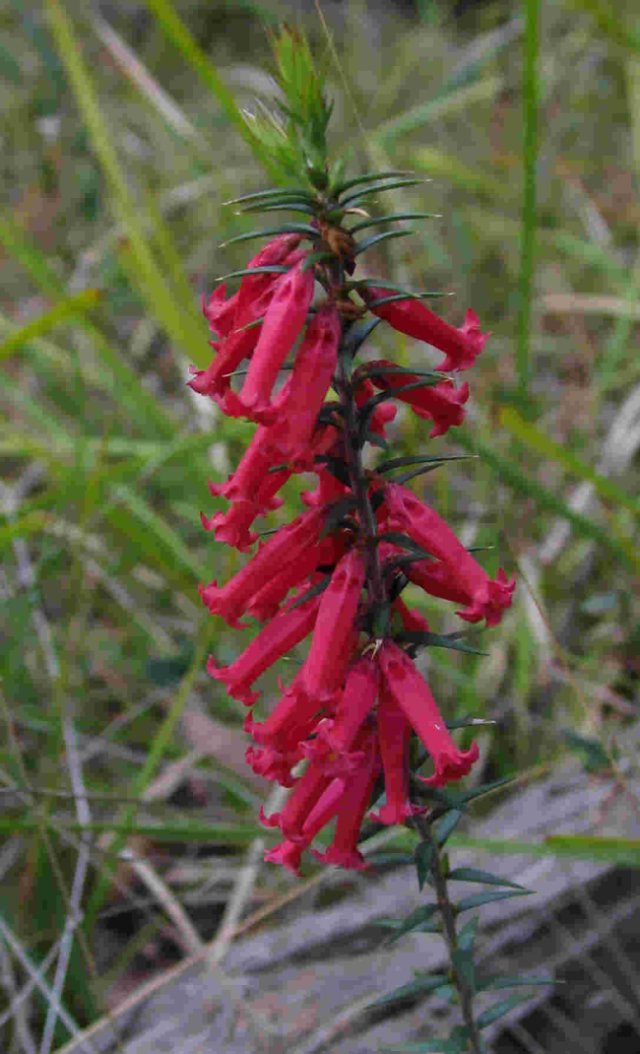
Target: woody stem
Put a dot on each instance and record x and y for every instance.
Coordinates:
(359, 485)
(447, 914)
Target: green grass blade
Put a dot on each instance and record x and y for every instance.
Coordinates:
(510, 472)
(65, 309)
(160, 296)
(179, 35)
(530, 102)
(543, 444)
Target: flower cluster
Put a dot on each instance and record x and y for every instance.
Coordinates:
(341, 730)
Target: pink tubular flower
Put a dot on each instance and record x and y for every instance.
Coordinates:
(487, 598)
(343, 851)
(219, 310)
(324, 668)
(229, 317)
(336, 735)
(273, 764)
(412, 695)
(283, 322)
(383, 414)
(461, 346)
(328, 491)
(289, 547)
(313, 370)
(286, 630)
(292, 720)
(266, 601)
(317, 818)
(233, 526)
(288, 854)
(442, 402)
(305, 796)
(252, 472)
(394, 734)
(412, 621)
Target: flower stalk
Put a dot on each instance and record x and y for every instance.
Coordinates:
(283, 341)
(450, 933)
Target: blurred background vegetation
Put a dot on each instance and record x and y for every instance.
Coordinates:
(119, 148)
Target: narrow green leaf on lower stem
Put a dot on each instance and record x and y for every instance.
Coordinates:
(463, 964)
(467, 934)
(496, 983)
(499, 1010)
(478, 899)
(419, 986)
(473, 874)
(422, 857)
(421, 916)
(447, 826)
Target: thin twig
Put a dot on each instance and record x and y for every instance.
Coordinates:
(16, 1010)
(447, 914)
(77, 888)
(36, 975)
(168, 902)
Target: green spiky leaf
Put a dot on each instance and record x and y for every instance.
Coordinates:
(447, 825)
(452, 641)
(422, 857)
(417, 920)
(478, 899)
(499, 1010)
(368, 177)
(304, 229)
(266, 269)
(422, 985)
(258, 195)
(394, 217)
(474, 874)
(379, 188)
(497, 983)
(375, 239)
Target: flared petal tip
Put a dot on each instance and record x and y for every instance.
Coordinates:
(391, 814)
(452, 766)
(288, 855)
(349, 860)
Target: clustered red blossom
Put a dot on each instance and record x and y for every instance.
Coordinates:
(347, 717)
